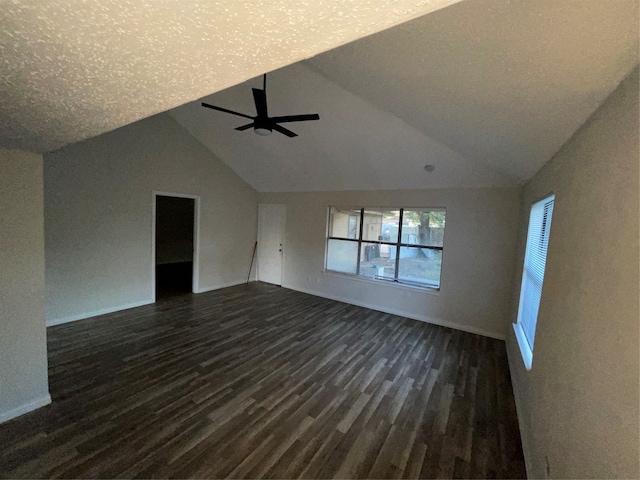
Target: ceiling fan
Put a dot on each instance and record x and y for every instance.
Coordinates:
(262, 123)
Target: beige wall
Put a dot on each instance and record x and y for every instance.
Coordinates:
(23, 338)
(477, 266)
(98, 216)
(578, 406)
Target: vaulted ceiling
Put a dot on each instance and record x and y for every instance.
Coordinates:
(354, 146)
(485, 90)
(503, 83)
(72, 69)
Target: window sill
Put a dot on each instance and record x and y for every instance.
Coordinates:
(525, 350)
(385, 283)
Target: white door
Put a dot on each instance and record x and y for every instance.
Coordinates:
(271, 222)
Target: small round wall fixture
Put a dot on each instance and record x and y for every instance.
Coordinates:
(429, 168)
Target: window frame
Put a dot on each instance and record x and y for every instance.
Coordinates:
(398, 245)
(534, 244)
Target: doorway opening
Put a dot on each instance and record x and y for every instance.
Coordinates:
(175, 244)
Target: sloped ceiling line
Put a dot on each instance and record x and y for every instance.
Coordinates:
(496, 170)
(73, 69)
(485, 90)
(354, 146)
(504, 83)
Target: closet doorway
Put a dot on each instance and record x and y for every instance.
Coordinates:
(175, 235)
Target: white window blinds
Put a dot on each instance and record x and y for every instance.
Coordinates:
(534, 265)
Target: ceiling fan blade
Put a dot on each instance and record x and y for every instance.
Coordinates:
(295, 118)
(226, 111)
(283, 130)
(245, 127)
(260, 99)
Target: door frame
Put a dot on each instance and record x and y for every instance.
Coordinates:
(195, 279)
(283, 232)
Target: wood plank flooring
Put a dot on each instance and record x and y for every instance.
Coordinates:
(257, 381)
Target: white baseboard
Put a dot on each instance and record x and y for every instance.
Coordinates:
(95, 313)
(25, 408)
(222, 285)
(524, 432)
(401, 313)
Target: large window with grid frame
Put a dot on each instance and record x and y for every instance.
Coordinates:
(399, 245)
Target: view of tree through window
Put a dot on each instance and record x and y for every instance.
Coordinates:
(401, 245)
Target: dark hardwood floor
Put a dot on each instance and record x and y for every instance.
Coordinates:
(261, 381)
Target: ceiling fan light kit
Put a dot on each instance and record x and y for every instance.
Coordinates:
(262, 123)
(263, 132)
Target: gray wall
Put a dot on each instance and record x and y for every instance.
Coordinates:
(477, 265)
(578, 405)
(23, 338)
(98, 216)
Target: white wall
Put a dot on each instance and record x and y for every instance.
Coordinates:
(98, 216)
(578, 406)
(23, 337)
(477, 266)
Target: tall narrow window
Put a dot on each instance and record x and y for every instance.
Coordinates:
(535, 259)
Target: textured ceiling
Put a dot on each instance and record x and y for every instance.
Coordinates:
(72, 69)
(354, 145)
(503, 83)
(487, 91)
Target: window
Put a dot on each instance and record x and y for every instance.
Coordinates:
(400, 245)
(535, 259)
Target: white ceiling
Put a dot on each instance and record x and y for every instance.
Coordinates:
(354, 145)
(504, 83)
(72, 69)
(485, 90)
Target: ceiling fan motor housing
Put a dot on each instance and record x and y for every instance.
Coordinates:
(262, 126)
